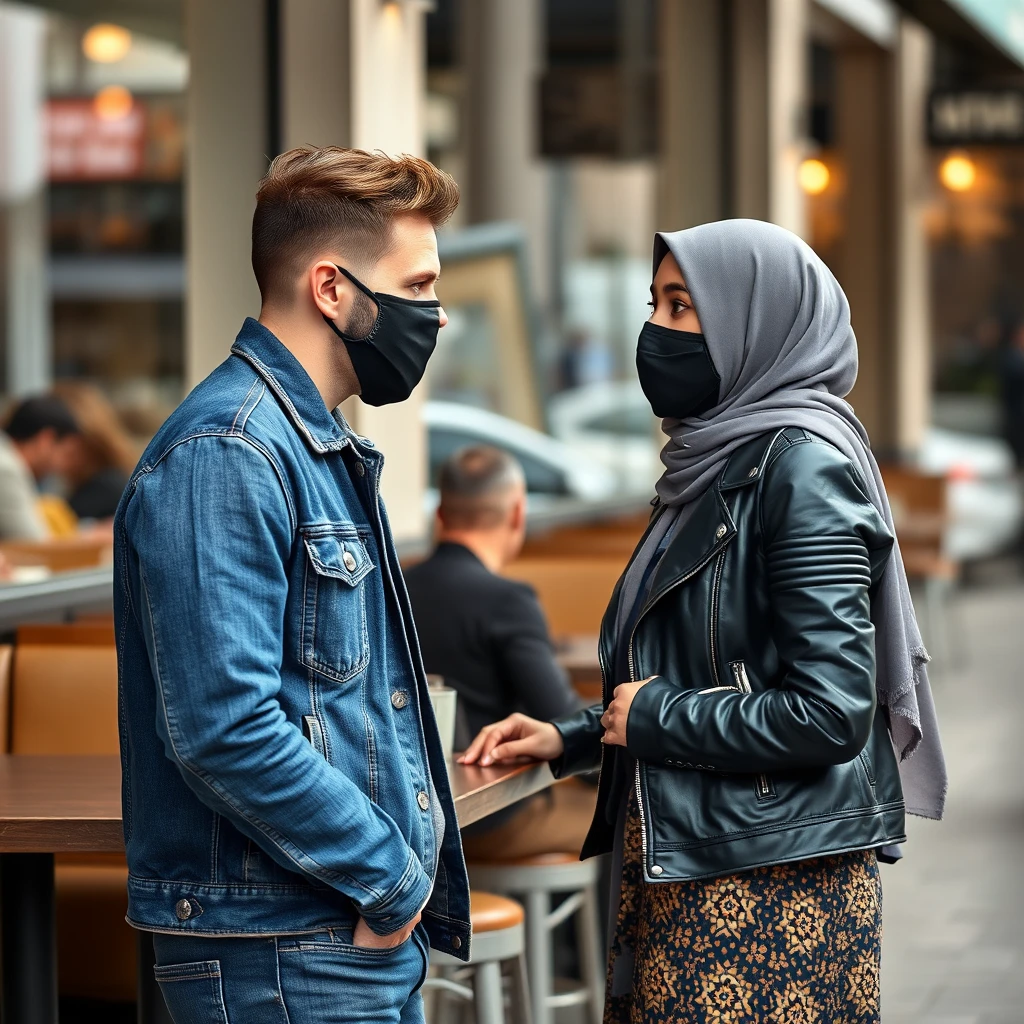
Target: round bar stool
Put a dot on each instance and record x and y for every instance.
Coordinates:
(535, 880)
(497, 940)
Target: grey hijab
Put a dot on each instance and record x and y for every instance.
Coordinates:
(777, 325)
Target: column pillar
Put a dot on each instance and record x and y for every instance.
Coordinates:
(912, 295)
(502, 55)
(864, 264)
(227, 147)
(388, 90)
(693, 114)
(787, 23)
(24, 234)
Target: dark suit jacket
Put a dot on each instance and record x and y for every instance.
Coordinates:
(486, 635)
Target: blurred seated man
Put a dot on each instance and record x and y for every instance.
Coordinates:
(32, 447)
(487, 637)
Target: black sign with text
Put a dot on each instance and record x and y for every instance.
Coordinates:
(980, 117)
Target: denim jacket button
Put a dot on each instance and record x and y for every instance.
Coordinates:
(423, 800)
(456, 942)
(399, 699)
(350, 561)
(360, 469)
(183, 910)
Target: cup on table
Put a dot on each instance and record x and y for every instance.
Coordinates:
(443, 699)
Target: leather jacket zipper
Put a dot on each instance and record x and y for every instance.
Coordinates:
(715, 588)
(739, 671)
(632, 678)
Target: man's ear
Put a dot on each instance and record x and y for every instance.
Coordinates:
(517, 517)
(331, 291)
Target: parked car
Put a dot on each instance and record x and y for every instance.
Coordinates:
(611, 423)
(554, 472)
(985, 506)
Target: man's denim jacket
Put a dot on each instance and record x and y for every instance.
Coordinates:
(282, 767)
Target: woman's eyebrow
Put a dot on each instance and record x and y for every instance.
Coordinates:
(676, 286)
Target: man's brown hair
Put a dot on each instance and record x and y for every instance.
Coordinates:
(311, 200)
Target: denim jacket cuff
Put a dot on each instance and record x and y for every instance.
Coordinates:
(399, 906)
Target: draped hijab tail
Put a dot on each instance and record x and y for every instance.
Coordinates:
(777, 326)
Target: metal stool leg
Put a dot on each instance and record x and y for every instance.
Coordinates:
(520, 992)
(490, 1001)
(538, 954)
(591, 957)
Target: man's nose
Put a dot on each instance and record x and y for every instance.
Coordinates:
(442, 316)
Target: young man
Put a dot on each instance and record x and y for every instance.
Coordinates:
(32, 447)
(287, 812)
(486, 635)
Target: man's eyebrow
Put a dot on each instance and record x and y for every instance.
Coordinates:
(425, 276)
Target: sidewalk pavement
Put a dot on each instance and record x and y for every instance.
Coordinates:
(953, 947)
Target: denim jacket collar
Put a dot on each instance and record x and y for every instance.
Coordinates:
(285, 376)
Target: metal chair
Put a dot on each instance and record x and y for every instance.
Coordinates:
(497, 941)
(536, 880)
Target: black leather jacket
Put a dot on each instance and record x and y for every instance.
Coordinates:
(759, 740)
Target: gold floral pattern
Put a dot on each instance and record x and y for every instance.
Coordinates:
(789, 944)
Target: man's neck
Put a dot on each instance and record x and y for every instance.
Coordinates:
(486, 547)
(316, 349)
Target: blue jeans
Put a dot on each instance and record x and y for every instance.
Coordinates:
(298, 979)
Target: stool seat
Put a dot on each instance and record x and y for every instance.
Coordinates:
(491, 913)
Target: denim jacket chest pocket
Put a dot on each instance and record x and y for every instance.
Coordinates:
(333, 638)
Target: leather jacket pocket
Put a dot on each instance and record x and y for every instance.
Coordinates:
(334, 641)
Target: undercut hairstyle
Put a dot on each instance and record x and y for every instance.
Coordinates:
(314, 200)
(476, 486)
(41, 412)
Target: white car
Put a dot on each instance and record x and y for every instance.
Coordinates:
(611, 423)
(985, 507)
(554, 473)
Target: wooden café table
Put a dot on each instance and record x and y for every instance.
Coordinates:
(63, 804)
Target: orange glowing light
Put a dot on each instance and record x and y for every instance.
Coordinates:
(957, 172)
(813, 176)
(113, 102)
(105, 43)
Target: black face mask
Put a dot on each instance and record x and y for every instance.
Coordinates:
(391, 356)
(676, 372)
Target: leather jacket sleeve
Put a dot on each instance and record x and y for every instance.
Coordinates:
(816, 525)
(581, 735)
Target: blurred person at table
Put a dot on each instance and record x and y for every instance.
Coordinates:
(100, 457)
(34, 446)
(486, 636)
(765, 678)
(290, 827)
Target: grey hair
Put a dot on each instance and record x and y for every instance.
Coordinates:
(476, 484)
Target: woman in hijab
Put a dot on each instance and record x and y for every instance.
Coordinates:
(767, 716)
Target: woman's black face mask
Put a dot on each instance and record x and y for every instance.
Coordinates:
(390, 355)
(676, 372)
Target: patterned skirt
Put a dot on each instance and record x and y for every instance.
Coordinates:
(791, 944)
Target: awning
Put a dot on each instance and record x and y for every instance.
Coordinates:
(993, 28)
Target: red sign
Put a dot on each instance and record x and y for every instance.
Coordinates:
(84, 146)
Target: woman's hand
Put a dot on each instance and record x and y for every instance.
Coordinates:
(515, 736)
(615, 718)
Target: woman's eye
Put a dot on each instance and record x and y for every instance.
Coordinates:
(650, 302)
(679, 307)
